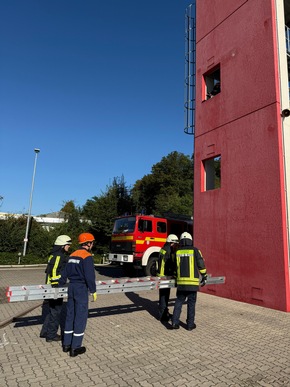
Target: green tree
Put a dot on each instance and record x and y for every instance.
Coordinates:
(169, 187)
(12, 231)
(40, 240)
(102, 211)
(68, 207)
(74, 223)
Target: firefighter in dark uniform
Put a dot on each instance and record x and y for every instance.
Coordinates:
(56, 263)
(189, 264)
(165, 267)
(80, 272)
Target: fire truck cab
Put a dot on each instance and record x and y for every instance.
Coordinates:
(137, 239)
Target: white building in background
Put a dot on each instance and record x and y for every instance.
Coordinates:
(47, 221)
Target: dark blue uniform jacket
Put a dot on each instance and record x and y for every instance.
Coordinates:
(80, 269)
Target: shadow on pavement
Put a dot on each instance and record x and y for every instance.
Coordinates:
(112, 310)
(144, 303)
(96, 312)
(138, 304)
(39, 319)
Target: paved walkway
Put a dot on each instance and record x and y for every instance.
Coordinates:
(235, 344)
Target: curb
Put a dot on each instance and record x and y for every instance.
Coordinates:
(22, 266)
(38, 265)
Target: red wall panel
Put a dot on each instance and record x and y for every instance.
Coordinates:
(213, 12)
(241, 227)
(243, 46)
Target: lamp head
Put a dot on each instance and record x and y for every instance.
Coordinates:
(36, 150)
(285, 113)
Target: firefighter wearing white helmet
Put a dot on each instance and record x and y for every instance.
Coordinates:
(172, 238)
(185, 235)
(56, 263)
(165, 267)
(62, 240)
(189, 264)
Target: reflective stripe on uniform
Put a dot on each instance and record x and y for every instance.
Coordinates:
(53, 278)
(186, 268)
(162, 265)
(55, 267)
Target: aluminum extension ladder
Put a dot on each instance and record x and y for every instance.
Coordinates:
(120, 285)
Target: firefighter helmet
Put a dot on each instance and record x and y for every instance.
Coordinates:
(185, 235)
(62, 240)
(172, 238)
(86, 237)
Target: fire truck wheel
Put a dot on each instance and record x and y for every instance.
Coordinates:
(151, 268)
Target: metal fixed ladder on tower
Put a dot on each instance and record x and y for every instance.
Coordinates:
(190, 69)
(120, 285)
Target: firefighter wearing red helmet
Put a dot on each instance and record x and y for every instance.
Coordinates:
(80, 272)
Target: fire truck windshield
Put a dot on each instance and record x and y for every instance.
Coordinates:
(124, 225)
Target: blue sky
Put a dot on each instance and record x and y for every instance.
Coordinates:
(97, 85)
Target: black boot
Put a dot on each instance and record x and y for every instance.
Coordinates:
(77, 351)
(55, 338)
(166, 316)
(191, 327)
(174, 326)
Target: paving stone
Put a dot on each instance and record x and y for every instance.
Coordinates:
(235, 344)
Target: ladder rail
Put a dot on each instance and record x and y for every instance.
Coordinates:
(121, 285)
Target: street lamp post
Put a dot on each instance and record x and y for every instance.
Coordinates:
(36, 150)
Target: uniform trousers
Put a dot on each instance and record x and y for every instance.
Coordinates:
(164, 295)
(52, 320)
(181, 296)
(76, 315)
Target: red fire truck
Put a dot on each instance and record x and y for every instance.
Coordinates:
(137, 239)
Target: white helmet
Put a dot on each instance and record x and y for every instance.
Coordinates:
(62, 240)
(185, 235)
(172, 238)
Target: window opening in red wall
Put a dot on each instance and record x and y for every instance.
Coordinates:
(212, 83)
(212, 171)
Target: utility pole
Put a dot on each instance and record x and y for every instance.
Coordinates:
(36, 150)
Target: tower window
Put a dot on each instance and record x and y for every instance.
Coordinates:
(212, 83)
(212, 173)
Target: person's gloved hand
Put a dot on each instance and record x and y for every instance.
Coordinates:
(203, 280)
(94, 296)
